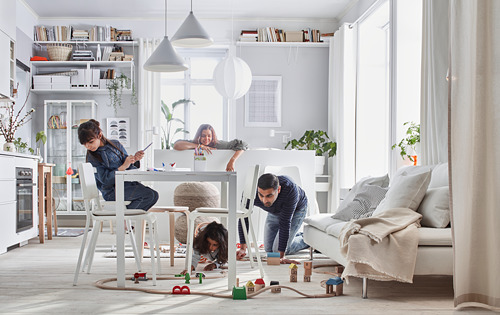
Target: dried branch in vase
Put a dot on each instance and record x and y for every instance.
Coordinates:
(13, 120)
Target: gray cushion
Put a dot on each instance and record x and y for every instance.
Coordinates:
(382, 181)
(365, 201)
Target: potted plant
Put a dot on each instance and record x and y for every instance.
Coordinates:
(408, 145)
(115, 87)
(20, 145)
(10, 121)
(41, 138)
(318, 141)
(168, 112)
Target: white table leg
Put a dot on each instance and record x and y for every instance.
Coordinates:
(120, 232)
(231, 280)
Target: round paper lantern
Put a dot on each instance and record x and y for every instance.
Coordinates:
(233, 77)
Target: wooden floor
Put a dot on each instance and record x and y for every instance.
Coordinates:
(37, 279)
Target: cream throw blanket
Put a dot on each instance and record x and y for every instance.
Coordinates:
(382, 247)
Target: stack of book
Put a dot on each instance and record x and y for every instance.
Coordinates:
(311, 35)
(83, 55)
(249, 36)
(270, 34)
(123, 35)
(80, 35)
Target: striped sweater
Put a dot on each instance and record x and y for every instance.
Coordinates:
(290, 198)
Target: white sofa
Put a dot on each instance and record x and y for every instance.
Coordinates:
(434, 254)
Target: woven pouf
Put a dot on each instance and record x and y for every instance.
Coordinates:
(194, 195)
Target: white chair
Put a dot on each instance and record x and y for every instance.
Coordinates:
(97, 214)
(244, 211)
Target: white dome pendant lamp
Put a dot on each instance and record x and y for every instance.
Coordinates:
(191, 33)
(165, 58)
(232, 76)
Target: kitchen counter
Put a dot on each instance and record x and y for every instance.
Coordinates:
(21, 155)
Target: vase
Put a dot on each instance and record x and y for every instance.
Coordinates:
(9, 146)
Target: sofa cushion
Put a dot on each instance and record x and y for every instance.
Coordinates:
(365, 201)
(334, 229)
(382, 181)
(439, 176)
(434, 237)
(435, 208)
(406, 191)
(321, 221)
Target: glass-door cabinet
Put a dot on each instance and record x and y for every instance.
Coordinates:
(62, 118)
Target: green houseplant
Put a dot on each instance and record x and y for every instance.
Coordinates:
(115, 87)
(314, 140)
(408, 144)
(168, 112)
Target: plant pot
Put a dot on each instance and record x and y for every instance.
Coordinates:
(319, 165)
(9, 146)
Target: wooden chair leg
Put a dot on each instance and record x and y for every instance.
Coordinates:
(41, 206)
(101, 225)
(111, 227)
(48, 213)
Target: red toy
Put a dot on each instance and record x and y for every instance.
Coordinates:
(181, 290)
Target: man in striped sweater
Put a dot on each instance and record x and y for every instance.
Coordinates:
(286, 204)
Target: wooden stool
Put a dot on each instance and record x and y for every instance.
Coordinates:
(45, 201)
(171, 217)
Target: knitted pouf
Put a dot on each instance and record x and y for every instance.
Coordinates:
(194, 195)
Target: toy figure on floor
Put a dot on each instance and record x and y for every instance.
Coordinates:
(109, 156)
(211, 242)
(286, 204)
(205, 139)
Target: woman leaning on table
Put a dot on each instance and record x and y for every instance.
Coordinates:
(206, 139)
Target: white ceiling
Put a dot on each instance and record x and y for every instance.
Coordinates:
(205, 9)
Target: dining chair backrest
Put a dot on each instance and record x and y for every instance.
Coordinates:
(290, 171)
(89, 186)
(250, 188)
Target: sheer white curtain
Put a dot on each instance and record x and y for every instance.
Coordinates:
(342, 111)
(434, 92)
(149, 113)
(474, 134)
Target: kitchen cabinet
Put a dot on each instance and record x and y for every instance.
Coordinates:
(9, 236)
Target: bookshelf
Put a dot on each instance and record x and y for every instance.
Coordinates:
(284, 44)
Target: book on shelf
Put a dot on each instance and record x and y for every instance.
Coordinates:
(94, 33)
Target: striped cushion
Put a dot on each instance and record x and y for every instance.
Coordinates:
(364, 202)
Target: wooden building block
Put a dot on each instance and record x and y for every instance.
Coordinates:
(307, 278)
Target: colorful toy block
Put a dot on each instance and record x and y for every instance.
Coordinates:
(181, 290)
(334, 286)
(274, 284)
(273, 258)
(187, 277)
(250, 287)
(239, 293)
(259, 284)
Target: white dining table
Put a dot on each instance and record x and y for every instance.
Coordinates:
(228, 182)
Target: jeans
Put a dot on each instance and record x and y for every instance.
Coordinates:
(295, 240)
(140, 196)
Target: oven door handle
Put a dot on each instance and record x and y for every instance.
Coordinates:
(26, 185)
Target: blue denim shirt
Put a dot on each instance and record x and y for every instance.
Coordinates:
(112, 159)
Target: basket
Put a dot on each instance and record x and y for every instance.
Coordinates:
(59, 52)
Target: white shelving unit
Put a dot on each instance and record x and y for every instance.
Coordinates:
(61, 121)
(44, 67)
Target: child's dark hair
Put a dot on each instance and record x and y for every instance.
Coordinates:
(216, 232)
(90, 130)
(209, 127)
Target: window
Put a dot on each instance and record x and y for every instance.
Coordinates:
(387, 83)
(196, 84)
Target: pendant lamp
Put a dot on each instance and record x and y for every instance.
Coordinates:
(191, 33)
(232, 76)
(165, 58)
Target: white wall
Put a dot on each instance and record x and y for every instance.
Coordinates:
(304, 73)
